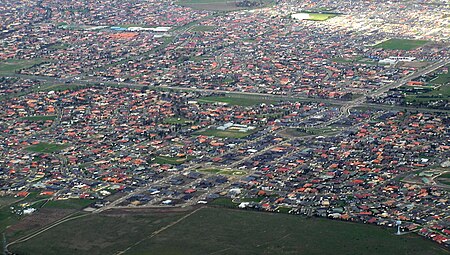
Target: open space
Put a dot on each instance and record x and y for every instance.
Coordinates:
(164, 160)
(235, 100)
(46, 147)
(401, 44)
(234, 232)
(225, 133)
(13, 65)
(444, 178)
(177, 120)
(69, 203)
(40, 118)
(221, 5)
(443, 78)
(426, 95)
(315, 16)
(223, 171)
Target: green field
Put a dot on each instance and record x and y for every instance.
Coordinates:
(224, 133)
(444, 178)
(59, 46)
(320, 16)
(221, 231)
(40, 117)
(220, 5)
(164, 160)
(223, 172)
(46, 147)
(202, 28)
(177, 120)
(440, 93)
(235, 100)
(297, 132)
(13, 65)
(95, 234)
(69, 203)
(401, 44)
(443, 78)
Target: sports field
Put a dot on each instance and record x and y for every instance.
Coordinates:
(221, 231)
(401, 44)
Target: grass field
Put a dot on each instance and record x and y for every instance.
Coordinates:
(163, 160)
(46, 147)
(441, 93)
(177, 120)
(444, 178)
(13, 65)
(95, 234)
(320, 16)
(443, 78)
(223, 172)
(60, 87)
(401, 44)
(296, 132)
(225, 133)
(69, 203)
(221, 231)
(40, 117)
(235, 100)
(202, 28)
(218, 5)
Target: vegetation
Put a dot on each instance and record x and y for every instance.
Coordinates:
(46, 147)
(443, 78)
(177, 120)
(236, 100)
(224, 133)
(95, 234)
(40, 117)
(69, 203)
(427, 95)
(202, 28)
(223, 172)
(234, 232)
(401, 44)
(298, 132)
(224, 5)
(320, 16)
(164, 160)
(14, 65)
